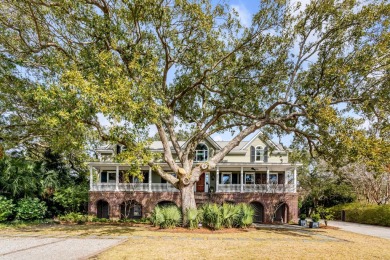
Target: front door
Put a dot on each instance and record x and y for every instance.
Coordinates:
(200, 183)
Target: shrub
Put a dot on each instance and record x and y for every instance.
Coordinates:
(30, 209)
(315, 217)
(245, 215)
(194, 217)
(302, 216)
(6, 208)
(166, 217)
(212, 216)
(229, 214)
(71, 198)
(74, 217)
(325, 214)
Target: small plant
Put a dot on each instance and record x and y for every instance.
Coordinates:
(166, 217)
(74, 217)
(315, 217)
(30, 209)
(194, 217)
(212, 216)
(245, 215)
(6, 208)
(302, 216)
(229, 214)
(325, 214)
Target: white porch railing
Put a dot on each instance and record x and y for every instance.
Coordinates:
(162, 187)
(159, 187)
(269, 188)
(229, 188)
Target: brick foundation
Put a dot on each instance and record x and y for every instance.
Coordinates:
(149, 200)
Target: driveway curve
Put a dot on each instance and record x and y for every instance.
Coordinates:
(371, 230)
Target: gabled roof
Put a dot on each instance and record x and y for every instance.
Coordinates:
(269, 142)
(210, 140)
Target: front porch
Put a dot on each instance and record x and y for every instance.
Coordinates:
(230, 178)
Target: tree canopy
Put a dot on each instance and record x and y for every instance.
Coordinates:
(166, 63)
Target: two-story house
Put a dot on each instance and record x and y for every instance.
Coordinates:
(256, 172)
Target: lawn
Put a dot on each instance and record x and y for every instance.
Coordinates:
(144, 242)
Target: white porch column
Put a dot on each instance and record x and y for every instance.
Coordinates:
(90, 177)
(286, 177)
(242, 179)
(150, 179)
(117, 178)
(217, 179)
(267, 179)
(295, 179)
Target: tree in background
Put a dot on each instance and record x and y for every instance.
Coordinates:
(171, 63)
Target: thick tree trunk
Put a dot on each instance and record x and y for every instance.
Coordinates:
(187, 200)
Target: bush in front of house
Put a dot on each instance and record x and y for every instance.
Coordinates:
(30, 209)
(166, 217)
(363, 213)
(194, 217)
(74, 217)
(212, 216)
(6, 208)
(245, 215)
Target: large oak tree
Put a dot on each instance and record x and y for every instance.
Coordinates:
(172, 63)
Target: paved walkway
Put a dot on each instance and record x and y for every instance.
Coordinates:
(53, 248)
(376, 231)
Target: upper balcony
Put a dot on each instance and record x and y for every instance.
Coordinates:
(233, 177)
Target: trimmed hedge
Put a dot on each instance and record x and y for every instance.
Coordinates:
(364, 213)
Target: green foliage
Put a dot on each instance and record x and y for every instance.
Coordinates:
(315, 217)
(71, 198)
(245, 216)
(302, 216)
(30, 209)
(364, 213)
(166, 216)
(194, 217)
(6, 208)
(229, 214)
(212, 216)
(74, 217)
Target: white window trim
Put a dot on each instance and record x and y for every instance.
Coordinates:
(230, 177)
(250, 173)
(261, 156)
(207, 150)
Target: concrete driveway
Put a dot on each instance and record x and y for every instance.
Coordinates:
(371, 230)
(51, 248)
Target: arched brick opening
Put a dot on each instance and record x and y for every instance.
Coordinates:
(165, 203)
(259, 211)
(282, 213)
(130, 209)
(102, 209)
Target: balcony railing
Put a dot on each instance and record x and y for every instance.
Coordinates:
(159, 187)
(167, 187)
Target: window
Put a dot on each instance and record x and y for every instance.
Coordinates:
(226, 178)
(249, 178)
(107, 177)
(259, 154)
(273, 178)
(201, 153)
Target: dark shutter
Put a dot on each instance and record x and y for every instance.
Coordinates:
(118, 149)
(266, 154)
(253, 154)
(103, 177)
(234, 178)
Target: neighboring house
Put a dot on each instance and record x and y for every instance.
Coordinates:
(256, 172)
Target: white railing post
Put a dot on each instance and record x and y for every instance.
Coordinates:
(90, 177)
(242, 179)
(150, 179)
(267, 179)
(217, 179)
(295, 179)
(117, 178)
